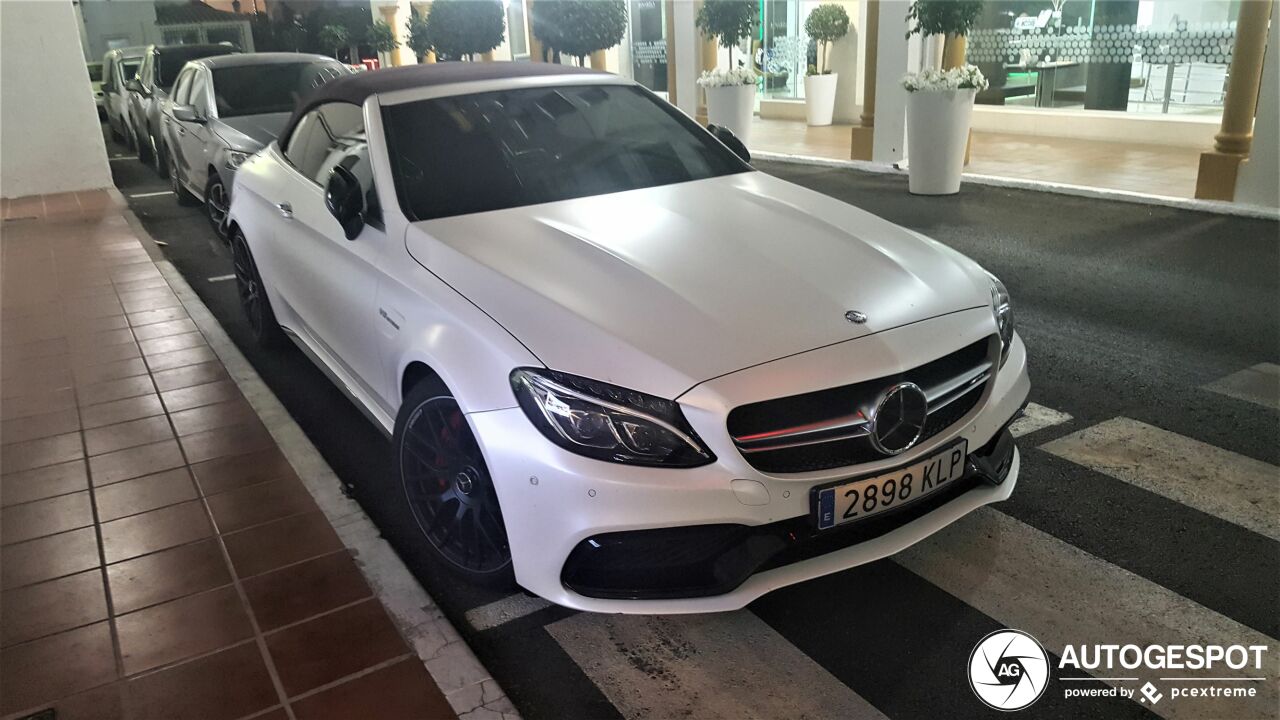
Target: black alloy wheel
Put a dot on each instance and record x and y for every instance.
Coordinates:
(448, 488)
(253, 297)
(217, 204)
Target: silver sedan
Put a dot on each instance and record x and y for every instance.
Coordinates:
(227, 108)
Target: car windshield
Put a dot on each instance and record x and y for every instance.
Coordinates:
(273, 88)
(514, 148)
(171, 60)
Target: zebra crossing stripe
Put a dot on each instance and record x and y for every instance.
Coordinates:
(1259, 384)
(1037, 417)
(1218, 482)
(723, 666)
(1027, 579)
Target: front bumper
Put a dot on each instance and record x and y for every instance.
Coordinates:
(555, 502)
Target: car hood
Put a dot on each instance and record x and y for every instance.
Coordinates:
(663, 288)
(251, 132)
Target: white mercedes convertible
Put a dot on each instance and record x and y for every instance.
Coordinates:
(620, 367)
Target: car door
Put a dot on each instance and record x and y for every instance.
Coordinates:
(331, 282)
(194, 138)
(170, 127)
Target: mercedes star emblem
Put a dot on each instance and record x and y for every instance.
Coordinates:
(898, 418)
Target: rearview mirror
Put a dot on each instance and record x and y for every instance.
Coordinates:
(345, 201)
(186, 113)
(731, 141)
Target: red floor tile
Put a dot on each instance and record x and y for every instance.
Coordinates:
(257, 504)
(273, 545)
(155, 530)
(99, 356)
(167, 361)
(181, 628)
(212, 417)
(189, 375)
(100, 703)
(37, 404)
(333, 646)
(43, 670)
(404, 691)
(225, 685)
(128, 434)
(38, 453)
(39, 426)
(48, 557)
(43, 482)
(228, 473)
(135, 462)
(167, 575)
(221, 442)
(297, 592)
(172, 343)
(121, 411)
(147, 317)
(129, 367)
(164, 329)
(51, 516)
(51, 607)
(111, 390)
(199, 395)
(148, 492)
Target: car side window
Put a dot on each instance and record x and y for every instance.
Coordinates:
(198, 95)
(180, 88)
(331, 135)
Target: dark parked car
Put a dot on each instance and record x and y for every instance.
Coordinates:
(149, 91)
(118, 68)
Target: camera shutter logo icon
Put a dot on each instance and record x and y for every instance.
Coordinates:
(1008, 670)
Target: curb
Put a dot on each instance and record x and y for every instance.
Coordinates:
(467, 685)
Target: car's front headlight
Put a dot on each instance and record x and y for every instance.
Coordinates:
(236, 158)
(1003, 311)
(608, 422)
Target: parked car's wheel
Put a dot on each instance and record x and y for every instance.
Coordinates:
(253, 296)
(175, 181)
(446, 487)
(216, 204)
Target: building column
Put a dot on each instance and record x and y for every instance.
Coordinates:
(670, 22)
(1258, 182)
(863, 136)
(389, 17)
(422, 8)
(1220, 166)
(893, 57)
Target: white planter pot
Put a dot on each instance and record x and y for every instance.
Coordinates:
(937, 132)
(731, 106)
(820, 98)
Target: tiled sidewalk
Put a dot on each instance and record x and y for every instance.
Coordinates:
(159, 558)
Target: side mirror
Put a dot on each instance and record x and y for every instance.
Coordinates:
(731, 141)
(186, 113)
(132, 85)
(345, 201)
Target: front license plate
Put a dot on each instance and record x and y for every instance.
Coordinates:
(859, 499)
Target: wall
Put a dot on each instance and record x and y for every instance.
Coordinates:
(1259, 180)
(50, 140)
(130, 21)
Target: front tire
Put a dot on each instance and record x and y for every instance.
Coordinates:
(253, 296)
(216, 204)
(446, 487)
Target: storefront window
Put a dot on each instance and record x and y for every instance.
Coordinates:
(1139, 56)
(783, 52)
(648, 43)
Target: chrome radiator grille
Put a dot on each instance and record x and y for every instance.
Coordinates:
(829, 428)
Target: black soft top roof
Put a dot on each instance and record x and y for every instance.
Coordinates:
(355, 88)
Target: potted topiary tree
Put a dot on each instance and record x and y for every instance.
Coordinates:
(381, 37)
(416, 36)
(940, 102)
(731, 93)
(826, 24)
(579, 28)
(458, 29)
(334, 36)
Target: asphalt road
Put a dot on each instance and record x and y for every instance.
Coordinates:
(1128, 312)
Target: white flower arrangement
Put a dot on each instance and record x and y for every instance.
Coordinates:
(725, 78)
(962, 78)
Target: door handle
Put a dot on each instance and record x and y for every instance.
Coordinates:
(286, 210)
